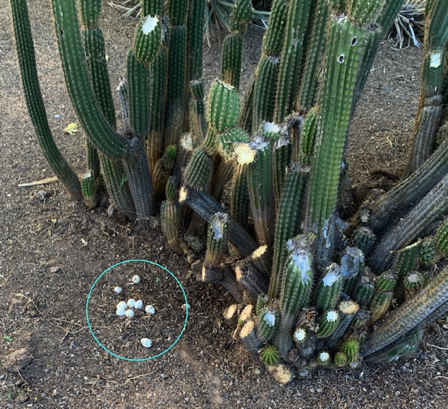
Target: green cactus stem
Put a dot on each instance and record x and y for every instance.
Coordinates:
(264, 91)
(407, 260)
(241, 15)
(442, 238)
(157, 89)
(176, 84)
(351, 349)
(328, 323)
(232, 50)
(364, 288)
(364, 239)
(253, 281)
(292, 57)
(430, 207)
(170, 217)
(197, 111)
(88, 190)
(217, 239)
(386, 281)
(223, 106)
(288, 220)
(224, 276)
(269, 355)
(245, 119)
(409, 315)
(275, 33)
(34, 100)
(428, 253)
(163, 169)
(139, 95)
(403, 346)
(306, 147)
(95, 51)
(239, 196)
(380, 304)
(346, 46)
(412, 283)
(151, 7)
(196, 38)
(347, 311)
(99, 131)
(90, 12)
(261, 192)
(267, 323)
(203, 204)
(307, 95)
(329, 289)
(262, 303)
(198, 171)
(430, 110)
(147, 39)
(340, 359)
(250, 341)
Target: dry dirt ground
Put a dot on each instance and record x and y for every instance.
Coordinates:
(53, 249)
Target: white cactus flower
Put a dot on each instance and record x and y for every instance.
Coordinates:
(118, 290)
(149, 309)
(129, 313)
(138, 304)
(136, 279)
(146, 342)
(131, 303)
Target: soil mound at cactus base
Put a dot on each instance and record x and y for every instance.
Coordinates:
(53, 249)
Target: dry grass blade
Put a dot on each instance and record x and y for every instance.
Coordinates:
(409, 25)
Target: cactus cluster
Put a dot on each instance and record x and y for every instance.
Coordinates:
(322, 287)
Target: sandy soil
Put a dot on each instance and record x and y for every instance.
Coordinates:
(53, 249)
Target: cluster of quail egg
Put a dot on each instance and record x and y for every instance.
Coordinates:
(127, 308)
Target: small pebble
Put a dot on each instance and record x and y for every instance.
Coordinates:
(122, 305)
(138, 304)
(129, 313)
(118, 290)
(146, 342)
(136, 279)
(120, 313)
(131, 303)
(149, 309)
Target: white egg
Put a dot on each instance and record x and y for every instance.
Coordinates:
(118, 290)
(122, 305)
(136, 279)
(149, 309)
(129, 313)
(131, 303)
(138, 304)
(146, 342)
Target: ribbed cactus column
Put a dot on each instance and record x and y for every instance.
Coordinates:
(34, 100)
(307, 95)
(346, 41)
(170, 217)
(409, 315)
(177, 61)
(233, 44)
(292, 56)
(99, 131)
(430, 110)
(295, 289)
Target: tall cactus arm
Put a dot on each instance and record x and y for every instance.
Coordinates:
(98, 130)
(34, 100)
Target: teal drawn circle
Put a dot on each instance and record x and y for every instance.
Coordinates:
(137, 359)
